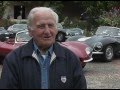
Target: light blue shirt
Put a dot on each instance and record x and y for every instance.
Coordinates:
(44, 61)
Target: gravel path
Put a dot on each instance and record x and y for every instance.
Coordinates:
(101, 75)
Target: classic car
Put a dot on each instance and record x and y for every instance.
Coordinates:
(13, 29)
(105, 42)
(62, 35)
(65, 33)
(83, 51)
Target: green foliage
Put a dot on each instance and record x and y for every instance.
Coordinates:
(92, 9)
(1, 9)
(111, 18)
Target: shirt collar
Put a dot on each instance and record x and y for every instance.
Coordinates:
(48, 52)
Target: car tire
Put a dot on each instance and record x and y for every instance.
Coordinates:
(108, 53)
(60, 37)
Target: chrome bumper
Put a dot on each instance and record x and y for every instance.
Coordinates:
(97, 52)
(88, 60)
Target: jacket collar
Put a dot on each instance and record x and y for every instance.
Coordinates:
(28, 49)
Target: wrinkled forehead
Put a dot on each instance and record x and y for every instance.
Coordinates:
(44, 17)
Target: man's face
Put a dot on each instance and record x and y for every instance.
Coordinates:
(44, 29)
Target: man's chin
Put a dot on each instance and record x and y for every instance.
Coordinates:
(48, 43)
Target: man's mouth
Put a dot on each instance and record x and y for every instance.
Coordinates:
(47, 37)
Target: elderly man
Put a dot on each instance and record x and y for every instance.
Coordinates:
(42, 63)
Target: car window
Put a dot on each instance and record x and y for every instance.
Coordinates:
(23, 37)
(20, 26)
(107, 31)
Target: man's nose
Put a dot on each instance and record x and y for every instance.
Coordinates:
(47, 29)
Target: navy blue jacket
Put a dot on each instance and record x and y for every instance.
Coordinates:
(22, 71)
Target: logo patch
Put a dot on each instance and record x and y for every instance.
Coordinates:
(63, 79)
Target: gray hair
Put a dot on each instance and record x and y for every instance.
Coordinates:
(37, 9)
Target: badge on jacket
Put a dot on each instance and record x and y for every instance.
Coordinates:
(63, 79)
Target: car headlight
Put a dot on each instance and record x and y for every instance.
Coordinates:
(88, 50)
(6, 33)
(7, 37)
(98, 46)
(67, 33)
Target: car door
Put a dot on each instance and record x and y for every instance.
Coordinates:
(118, 39)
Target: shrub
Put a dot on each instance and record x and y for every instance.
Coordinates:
(7, 22)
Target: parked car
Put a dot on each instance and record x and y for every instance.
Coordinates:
(3, 34)
(63, 34)
(83, 51)
(105, 42)
(74, 38)
(13, 29)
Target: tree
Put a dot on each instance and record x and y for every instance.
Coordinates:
(1, 9)
(94, 9)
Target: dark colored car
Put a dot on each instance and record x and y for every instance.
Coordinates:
(63, 34)
(3, 34)
(83, 51)
(13, 29)
(105, 42)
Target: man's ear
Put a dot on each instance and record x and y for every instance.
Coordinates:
(30, 33)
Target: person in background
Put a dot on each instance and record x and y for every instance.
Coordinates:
(42, 63)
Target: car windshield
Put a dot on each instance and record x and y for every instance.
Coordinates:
(20, 26)
(2, 28)
(107, 31)
(76, 30)
(23, 37)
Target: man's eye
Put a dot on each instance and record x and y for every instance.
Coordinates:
(51, 25)
(41, 26)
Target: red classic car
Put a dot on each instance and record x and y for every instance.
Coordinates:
(81, 50)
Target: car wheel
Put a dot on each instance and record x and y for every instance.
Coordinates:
(60, 37)
(109, 53)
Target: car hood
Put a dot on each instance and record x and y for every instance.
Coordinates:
(79, 48)
(92, 40)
